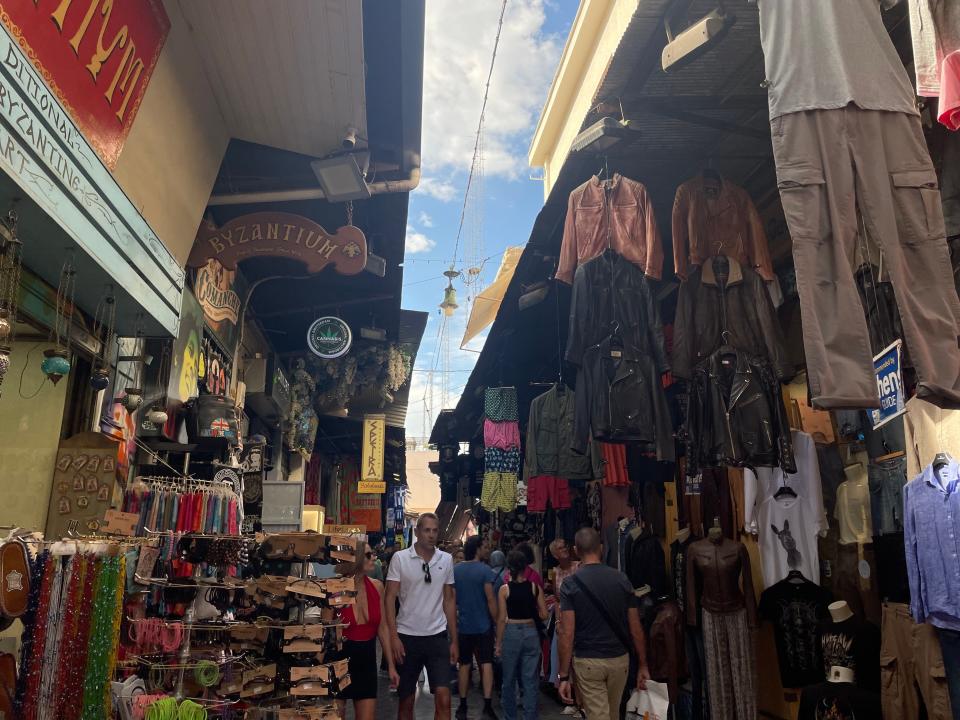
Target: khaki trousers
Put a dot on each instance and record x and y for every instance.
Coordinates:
(601, 682)
(910, 663)
(833, 167)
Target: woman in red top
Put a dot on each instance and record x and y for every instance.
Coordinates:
(365, 621)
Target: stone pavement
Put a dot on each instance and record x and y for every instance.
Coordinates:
(550, 709)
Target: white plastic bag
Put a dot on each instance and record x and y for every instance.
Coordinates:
(654, 701)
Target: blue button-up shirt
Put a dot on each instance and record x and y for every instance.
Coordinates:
(932, 540)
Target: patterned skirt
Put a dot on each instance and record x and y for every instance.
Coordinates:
(731, 684)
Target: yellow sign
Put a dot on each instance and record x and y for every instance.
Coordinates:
(344, 529)
(365, 487)
(374, 438)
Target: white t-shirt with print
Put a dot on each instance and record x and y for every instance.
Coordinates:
(787, 527)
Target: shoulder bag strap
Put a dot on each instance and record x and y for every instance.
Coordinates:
(599, 606)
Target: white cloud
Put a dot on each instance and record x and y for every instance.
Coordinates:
(417, 242)
(425, 219)
(441, 190)
(459, 43)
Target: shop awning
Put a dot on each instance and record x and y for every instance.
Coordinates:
(285, 74)
(487, 302)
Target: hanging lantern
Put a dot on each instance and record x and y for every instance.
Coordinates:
(104, 323)
(100, 379)
(55, 364)
(56, 360)
(157, 415)
(6, 326)
(449, 304)
(133, 399)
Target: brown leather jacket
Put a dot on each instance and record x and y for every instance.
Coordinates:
(714, 573)
(665, 653)
(700, 221)
(620, 217)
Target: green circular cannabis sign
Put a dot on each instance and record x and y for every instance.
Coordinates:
(329, 337)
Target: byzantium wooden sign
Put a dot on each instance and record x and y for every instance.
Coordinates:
(276, 234)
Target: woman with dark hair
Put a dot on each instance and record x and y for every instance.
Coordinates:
(521, 604)
(365, 622)
(529, 574)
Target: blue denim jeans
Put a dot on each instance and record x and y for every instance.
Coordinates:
(886, 480)
(520, 655)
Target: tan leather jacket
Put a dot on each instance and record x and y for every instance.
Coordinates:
(701, 221)
(714, 573)
(619, 216)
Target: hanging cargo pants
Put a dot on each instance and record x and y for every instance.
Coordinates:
(832, 164)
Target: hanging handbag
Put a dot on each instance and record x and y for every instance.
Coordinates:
(14, 578)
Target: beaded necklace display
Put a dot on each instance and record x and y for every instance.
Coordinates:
(72, 689)
(71, 617)
(115, 628)
(31, 658)
(101, 639)
(54, 635)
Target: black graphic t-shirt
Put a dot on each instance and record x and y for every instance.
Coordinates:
(797, 608)
(838, 701)
(854, 645)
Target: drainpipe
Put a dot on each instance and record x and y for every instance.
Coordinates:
(381, 187)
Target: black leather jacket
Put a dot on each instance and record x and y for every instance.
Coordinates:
(742, 307)
(610, 296)
(620, 399)
(736, 415)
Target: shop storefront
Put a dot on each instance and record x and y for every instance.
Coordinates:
(730, 347)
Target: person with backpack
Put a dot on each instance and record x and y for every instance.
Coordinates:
(600, 627)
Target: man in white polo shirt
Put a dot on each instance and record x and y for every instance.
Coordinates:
(424, 632)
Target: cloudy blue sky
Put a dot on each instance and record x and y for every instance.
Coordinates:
(459, 41)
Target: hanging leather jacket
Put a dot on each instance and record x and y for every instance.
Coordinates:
(617, 214)
(742, 307)
(736, 415)
(612, 296)
(620, 399)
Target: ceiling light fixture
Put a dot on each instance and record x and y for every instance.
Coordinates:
(603, 135)
(341, 178)
(686, 46)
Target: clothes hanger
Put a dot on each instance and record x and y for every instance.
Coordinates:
(785, 491)
(941, 460)
(796, 577)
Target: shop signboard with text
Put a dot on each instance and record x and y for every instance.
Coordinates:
(889, 385)
(96, 56)
(284, 235)
(371, 466)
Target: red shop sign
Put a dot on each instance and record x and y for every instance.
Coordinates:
(96, 56)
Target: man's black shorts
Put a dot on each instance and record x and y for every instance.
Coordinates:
(480, 645)
(424, 651)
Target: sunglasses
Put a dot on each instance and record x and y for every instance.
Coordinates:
(426, 573)
(368, 555)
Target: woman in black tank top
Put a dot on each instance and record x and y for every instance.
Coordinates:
(518, 641)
